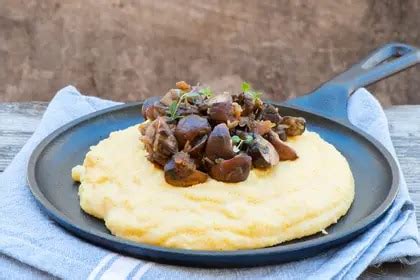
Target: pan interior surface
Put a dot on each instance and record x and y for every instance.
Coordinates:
(50, 180)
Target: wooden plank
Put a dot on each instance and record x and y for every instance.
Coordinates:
(404, 124)
(17, 123)
(19, 120)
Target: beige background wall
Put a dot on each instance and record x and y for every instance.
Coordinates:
(127, 50)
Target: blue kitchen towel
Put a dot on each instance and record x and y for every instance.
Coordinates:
(34, 246)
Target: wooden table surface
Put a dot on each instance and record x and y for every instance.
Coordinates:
(19, 120)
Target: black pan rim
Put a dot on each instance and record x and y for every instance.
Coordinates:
(96, 236)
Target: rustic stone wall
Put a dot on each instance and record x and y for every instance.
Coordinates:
(127, 50)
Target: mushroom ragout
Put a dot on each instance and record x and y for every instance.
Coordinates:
(192, 134)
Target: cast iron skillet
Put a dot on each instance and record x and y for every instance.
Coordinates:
(374, 169)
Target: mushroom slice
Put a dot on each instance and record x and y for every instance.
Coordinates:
(295, 125)
(219, 144)
(191, 128)
(181, 171)
(159, 141)
(221, 112)
(232, 170)
(263, 154)
(284, 151)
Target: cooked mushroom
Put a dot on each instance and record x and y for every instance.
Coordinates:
(143, 127)
(221, 112)
(243, 121)
(284, 151)
(152, 109)
(280, 130)
(220, 98)
(219, 144)
(263, 154)
(171, 96)
(202, 107)
(159, 141)
(147, 109)
(249, 104)
(237, 110)
(187, 109)
(295, 125)
(223, 135)
(261, 127)
(181, 171)
(190, 128)
(232, 170)
(196, 148)
(270, 113)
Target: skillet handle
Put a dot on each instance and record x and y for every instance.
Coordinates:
(330, 99)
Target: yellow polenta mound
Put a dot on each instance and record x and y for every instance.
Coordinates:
(291, 200)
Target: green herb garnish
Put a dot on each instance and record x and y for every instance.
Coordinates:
(191, 94)
(247, 89)
(173, 110)
(237, 141)
(248, 140)
(206, 92)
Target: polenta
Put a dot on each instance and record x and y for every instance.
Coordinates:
(291, 200)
